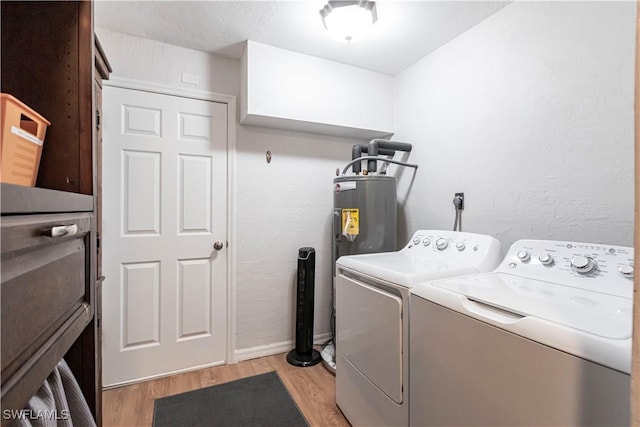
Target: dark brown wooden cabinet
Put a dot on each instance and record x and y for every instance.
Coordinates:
(47, 63)
(50, 283)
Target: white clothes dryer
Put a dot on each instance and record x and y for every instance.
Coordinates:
(372, 319)
(543, 340)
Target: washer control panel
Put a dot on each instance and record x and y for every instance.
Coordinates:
(600, 268)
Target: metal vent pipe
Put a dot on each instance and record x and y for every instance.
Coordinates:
(357, 150)
(375, 145)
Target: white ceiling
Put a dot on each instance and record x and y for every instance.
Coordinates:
(405, 32)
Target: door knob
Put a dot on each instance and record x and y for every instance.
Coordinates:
(218, 245)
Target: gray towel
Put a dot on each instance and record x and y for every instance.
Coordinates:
(58, 403)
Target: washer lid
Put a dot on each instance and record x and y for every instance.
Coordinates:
(404, 269)
(595, 313)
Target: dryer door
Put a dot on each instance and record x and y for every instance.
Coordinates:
(369, 333)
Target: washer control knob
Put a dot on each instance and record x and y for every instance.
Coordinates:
(426, 242)
(583, 264)
(523, 256)
(442, 244)
(460, 246)
(416, 240)
(545, 259)
(626, 270)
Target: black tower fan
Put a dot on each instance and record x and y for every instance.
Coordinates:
(304, 354)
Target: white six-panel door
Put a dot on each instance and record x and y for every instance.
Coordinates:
(164, 208)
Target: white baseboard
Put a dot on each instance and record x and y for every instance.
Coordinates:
(275, 348)
(161, 375)
(240, 355)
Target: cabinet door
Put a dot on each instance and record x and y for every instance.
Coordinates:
(101, 72)
(100, 277)
(46, 296)
(98, 195)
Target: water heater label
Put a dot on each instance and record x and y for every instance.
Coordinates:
(350, 223)
(345, 186)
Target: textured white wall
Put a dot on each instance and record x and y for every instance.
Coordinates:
(279, 206)
(530, 113)
(160, 63)
(282, 206)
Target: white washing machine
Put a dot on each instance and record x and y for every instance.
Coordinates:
(543, 340)
(372, 320)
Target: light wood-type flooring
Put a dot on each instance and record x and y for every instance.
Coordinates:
(313, 389)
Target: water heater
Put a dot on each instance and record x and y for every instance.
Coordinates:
(364, 215)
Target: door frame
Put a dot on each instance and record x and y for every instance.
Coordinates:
(635, 367)
(230, 101)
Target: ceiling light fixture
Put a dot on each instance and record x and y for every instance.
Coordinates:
(348, 21)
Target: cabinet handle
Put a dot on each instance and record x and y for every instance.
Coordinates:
(63, 230)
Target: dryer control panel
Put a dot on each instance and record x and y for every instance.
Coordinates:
(430, 254)
(454, 245)
(444, 240)
(596, 267)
